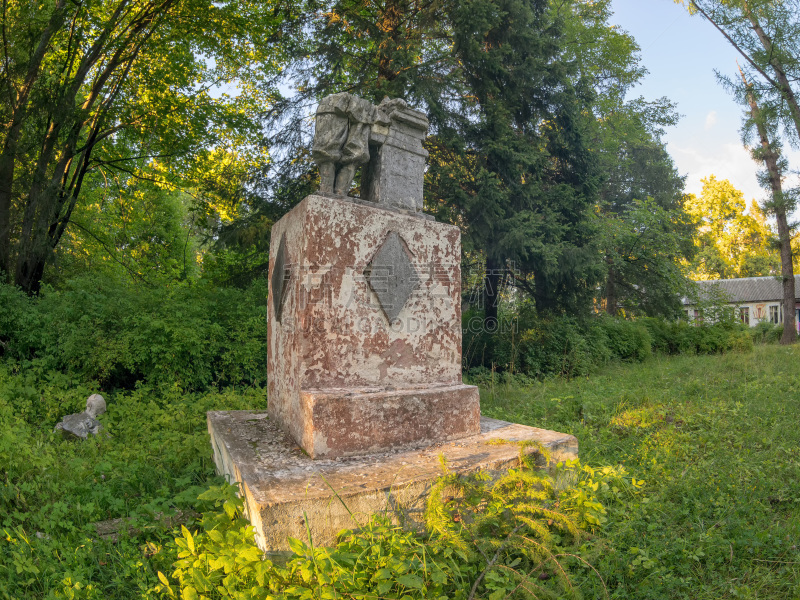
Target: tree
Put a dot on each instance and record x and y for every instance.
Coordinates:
(640, 173)
(98, 86)
(730, 243)
(765, 33)
(635, 168)
(644, 245)
(514, 163)
(769, 152)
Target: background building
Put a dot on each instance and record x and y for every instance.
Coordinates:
(756, 299)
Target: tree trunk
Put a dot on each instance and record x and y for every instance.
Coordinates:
(491, 294)
(30, 271)
(787, 274)
(6, 182)
(18, 108)
(35, 245)
(770, 156)
(784, 86)
(611, 293)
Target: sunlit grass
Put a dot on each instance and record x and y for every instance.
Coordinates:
(717, 439)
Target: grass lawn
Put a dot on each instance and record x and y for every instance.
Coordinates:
(717, 441)
(715, 438)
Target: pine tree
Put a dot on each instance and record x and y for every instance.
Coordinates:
(514, 163)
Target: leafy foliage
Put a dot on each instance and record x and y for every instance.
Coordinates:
(486, 537)
(644, 245)
(536, 347)
(103, 93)
(113, 333)
(730, 243)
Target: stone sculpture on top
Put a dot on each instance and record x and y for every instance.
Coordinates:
(341, 139)
(385, 139)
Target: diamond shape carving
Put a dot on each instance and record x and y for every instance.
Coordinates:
(281, 274)
(392, 276)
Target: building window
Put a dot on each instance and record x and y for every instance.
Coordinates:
(775, 314)
(744, 315)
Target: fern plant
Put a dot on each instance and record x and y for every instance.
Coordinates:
(509, 525)
(487, 535)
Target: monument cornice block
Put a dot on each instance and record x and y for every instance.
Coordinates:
(347, 422)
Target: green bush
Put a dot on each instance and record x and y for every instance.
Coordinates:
(680, 337)
(766, 333)
(669, 337)
(18, 315)
(118, 334)
(741, 341)
(559, 346)
(627, 340)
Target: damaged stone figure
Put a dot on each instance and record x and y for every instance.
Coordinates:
(82, 424)
(342, 136)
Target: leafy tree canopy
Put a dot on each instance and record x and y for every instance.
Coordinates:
(103, 94)
(730, 242)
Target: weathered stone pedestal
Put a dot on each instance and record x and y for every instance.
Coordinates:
(282, 486)
(365, 330)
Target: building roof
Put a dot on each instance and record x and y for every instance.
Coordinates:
(749, 289)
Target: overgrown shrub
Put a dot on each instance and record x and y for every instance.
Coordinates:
(118, 334)
(557, 347)
(627, 340)
(485, 538)
(669, 337)
(766, 333)
(681, 337)
(538, 347)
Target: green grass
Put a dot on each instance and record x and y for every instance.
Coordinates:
(153, 457)
(717, 440)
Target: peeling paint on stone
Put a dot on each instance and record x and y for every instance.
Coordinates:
(334, 331)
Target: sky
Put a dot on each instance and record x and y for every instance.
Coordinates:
(681, 51)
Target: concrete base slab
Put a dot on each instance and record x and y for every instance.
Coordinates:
(283, 486)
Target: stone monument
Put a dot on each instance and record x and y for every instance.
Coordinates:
(364, 351)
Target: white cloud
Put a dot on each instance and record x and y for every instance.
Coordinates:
(727, 161)
(711, 120)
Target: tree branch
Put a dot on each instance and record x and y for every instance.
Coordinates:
(733, 43)
(111, 254)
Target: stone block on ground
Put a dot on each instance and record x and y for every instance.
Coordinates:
(280, 483)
